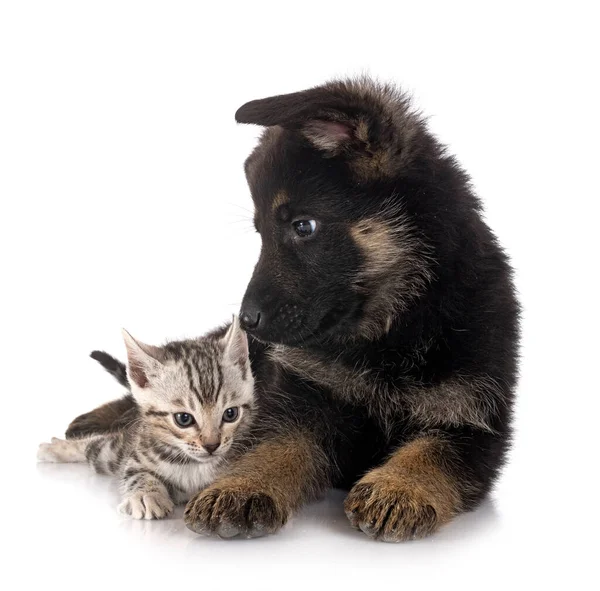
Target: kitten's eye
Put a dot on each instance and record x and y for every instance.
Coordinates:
(231, 414)
(305, 228)
(183, 419)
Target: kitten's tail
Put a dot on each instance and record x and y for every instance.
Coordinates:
(113, 366)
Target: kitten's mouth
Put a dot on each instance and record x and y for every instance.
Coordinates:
(204, 458)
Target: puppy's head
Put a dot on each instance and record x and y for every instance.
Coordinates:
(341, 253)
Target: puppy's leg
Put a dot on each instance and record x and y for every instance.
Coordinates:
(421, 486)
(103, 419)
(262, 489)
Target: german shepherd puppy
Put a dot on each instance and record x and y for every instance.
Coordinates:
(384, 323)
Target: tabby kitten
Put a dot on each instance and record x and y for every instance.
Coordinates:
(195, 400)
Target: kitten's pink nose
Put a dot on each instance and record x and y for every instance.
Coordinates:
(211, 446)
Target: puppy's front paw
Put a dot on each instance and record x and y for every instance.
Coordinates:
(147, 505)
(391, 512)
(234, 509)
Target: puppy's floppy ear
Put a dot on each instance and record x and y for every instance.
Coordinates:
(317, 113)
(365, 121)
(142, 358)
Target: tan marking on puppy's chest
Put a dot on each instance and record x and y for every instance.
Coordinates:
(460, 400)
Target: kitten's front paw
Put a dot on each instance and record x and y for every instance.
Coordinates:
(147, 505)
(390, 511)
(234, 509)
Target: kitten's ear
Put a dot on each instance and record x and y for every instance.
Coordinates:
(142, 359)
(235, 343)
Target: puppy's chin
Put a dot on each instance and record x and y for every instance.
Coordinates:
(291, 339)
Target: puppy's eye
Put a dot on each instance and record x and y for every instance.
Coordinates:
(231, 414)
(183, 419)
(304, 228)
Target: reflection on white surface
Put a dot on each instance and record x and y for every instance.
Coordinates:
(530, 532)
(72, 486)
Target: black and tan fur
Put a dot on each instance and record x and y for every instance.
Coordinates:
(159, 462)
(384, 333)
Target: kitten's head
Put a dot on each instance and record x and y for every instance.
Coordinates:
(195, 396)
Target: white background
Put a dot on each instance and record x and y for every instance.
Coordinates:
(123, 203)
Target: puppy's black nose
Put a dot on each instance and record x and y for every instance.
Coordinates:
(211, 446)
(250, 317)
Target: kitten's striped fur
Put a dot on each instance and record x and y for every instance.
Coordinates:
(160, 463)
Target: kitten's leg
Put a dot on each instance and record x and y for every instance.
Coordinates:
(105, 418)
(145, 495)
(61, 451)
(104, 453)
(262, 489)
